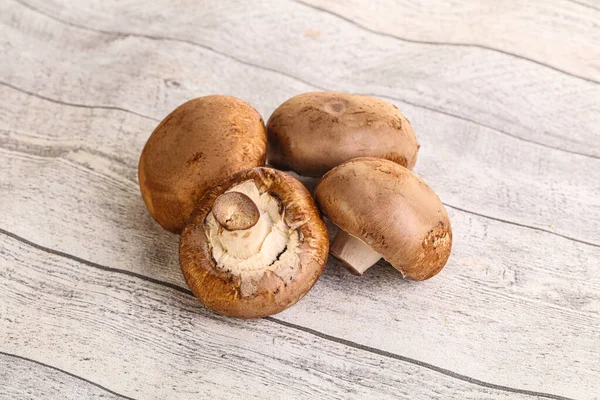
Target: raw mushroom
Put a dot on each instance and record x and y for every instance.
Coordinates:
(202, 142)
(254, 245)
(384, 210)
(313, 132)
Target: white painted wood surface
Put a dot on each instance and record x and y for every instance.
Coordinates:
(504, 98)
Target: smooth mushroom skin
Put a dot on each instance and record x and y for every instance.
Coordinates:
(392, 211)
(233, 293)
(235, 211)
(199, 144)
(313, 132)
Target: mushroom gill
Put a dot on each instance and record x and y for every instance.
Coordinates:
(268, 245)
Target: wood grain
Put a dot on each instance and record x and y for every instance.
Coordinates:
(478, 289)
(143, 340)
(90, 286)
(24, 378)
(508, 184)
(491, 26)
(589, 4)
(509, 94)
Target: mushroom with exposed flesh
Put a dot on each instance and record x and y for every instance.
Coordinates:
(200, 143)
(313, 132)
(385, 211)
(255, 244)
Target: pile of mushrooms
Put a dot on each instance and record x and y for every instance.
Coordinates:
(252, 241)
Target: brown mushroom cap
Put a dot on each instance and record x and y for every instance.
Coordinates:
(313, 132)
(235, 211)
(270, 288)
(390, 209)
(199, 144)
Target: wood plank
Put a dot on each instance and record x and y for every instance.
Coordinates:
(589, 4)
(514, 301)
(22, 378)
(145, 340)
(506, 297)
(111, 71)
(491, 174)
(567, 39)
(500, 204)
(136, 254)
(511, 95)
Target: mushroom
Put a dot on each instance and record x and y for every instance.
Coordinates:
(313, 132)
(384, 210)
(254, 245)
(199, 144)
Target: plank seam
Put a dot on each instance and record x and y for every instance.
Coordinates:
(78, 105)
(435, 110)
(535, 228)
(446, 44)
(419, 363)
(67, 373)
(483, 125)
(127, 180)
(290, 325)
(278, 72)
(584, 5)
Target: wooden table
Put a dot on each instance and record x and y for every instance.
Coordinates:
(505, 99)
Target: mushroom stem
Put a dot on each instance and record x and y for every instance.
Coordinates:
(356, 255)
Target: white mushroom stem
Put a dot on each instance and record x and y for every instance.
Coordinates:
(247, 242)
(255, 247)
(356, 255)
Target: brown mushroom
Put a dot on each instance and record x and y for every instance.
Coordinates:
(199, 144)
(384, 210)
(255, 244)
(313, 132)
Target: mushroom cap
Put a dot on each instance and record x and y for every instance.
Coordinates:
(390, 209)
(200, 143)
(313, 132)
(221, 290)
(235, 211)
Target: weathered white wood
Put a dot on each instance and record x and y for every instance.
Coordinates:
(512, 95)
(589, 4)
(25, 379)
(146, 341)
(569, 42)
(516, 306)
(132, 88)
(502, 209)
(500, 274)
(471, 167)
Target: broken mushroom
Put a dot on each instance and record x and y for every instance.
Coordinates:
(384, 210)
(313, 132)
(255, 244)
(199, 144)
